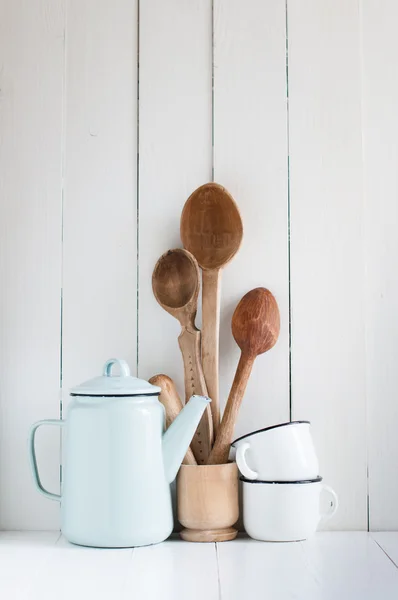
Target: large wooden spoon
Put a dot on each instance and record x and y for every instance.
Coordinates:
(211, 228)
(255, 327)
(175, 283)
(173, 406)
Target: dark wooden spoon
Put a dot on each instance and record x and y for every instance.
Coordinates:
(255, 327)
(175, 284)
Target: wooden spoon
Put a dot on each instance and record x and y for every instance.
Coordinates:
(175, 283)
(255, 327)
(171, 401)
(211, 228)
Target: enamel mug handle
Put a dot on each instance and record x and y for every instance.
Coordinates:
(242, 464)
(334, 504)
(33, 460)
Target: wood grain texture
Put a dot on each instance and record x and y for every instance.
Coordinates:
(211, 226)
(207, 502)
(210, 350)
(209, 535)
(380, 134)
(256, 322)
(189, 342)
(31, 114)
(173, 406)
(220, 452)
(327, 268)
(175, 284)
(194, 381)
(100, 218)
(174, 154)
(250, 160)
(255, 327)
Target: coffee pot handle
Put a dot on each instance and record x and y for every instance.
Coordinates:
(334, 503)
(241, 462)
(33, 460)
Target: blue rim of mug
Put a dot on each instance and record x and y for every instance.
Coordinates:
(267, 429)
(316, 480)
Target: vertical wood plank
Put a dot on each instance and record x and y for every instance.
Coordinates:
(174, 154)
(328, 337)
(31, 91)
(250, 143)
(380, 131)
(100, 222)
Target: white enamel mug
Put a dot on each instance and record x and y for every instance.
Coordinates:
(285, 511)
(282, 452)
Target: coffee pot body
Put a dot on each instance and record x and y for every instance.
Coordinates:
(118, 461)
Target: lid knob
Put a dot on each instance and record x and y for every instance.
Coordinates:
(123, 366)
(119, 383)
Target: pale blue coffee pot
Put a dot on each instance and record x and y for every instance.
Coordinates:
(118, 462)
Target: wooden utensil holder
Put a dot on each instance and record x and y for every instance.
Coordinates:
(207, 502)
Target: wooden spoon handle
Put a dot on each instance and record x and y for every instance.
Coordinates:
(219, 454)
(211, 281)
(189, 341)
(173, 405)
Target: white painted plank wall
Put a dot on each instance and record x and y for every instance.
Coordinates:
(99, 216)
(31, 107)
(68, 214)
(327, 267)
(380, 133)
(250, 159)
(174, 155)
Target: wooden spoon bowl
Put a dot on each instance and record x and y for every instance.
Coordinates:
(175, 284)
(211, 228)
(256, 322)
(255, 327)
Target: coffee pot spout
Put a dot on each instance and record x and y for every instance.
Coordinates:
(178, 436)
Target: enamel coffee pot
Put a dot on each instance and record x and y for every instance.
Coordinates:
(118, 461)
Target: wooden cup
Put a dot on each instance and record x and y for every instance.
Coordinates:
(207, 502)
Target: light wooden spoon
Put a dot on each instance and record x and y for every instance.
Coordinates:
(175, 283)
(211, 228)
(255, 327)
(172, 403)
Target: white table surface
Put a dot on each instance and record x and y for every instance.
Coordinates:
(332, 565)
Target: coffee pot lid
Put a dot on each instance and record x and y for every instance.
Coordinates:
(108, 384)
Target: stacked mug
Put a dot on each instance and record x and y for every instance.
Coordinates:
(281, 483)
